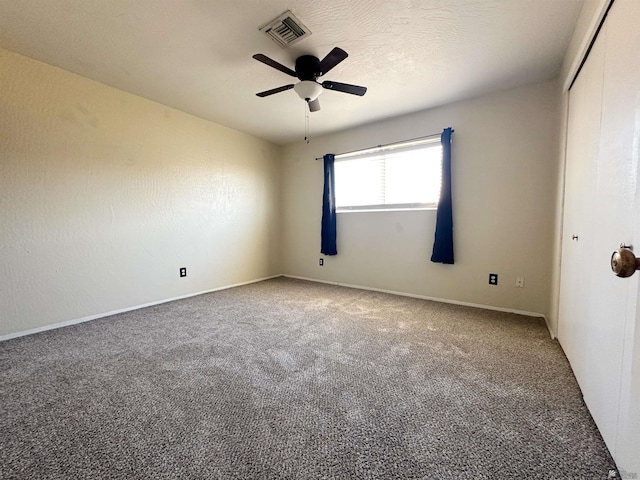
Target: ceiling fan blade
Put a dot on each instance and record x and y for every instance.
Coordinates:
(333, 58)
(314, 105)
(272, 63)
(345, 87)
(274, 90)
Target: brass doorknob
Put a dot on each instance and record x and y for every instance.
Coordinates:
(624, 262)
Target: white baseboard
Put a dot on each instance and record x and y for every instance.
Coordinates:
(546, 322)
(53, 326)
(360, 287)
(425, 297)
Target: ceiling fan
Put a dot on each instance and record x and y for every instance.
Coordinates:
(308, 68)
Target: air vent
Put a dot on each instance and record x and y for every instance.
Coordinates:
(286, 29)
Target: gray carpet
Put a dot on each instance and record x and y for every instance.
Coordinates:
(292, 379)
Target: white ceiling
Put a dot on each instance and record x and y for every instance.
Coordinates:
(195, 55)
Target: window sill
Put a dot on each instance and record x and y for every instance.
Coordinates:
(374, 210)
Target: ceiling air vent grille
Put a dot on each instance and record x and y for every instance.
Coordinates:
(286, 30)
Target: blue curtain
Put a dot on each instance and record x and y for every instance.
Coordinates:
(328, 242)
(443, 243)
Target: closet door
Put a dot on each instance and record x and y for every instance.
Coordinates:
(583, 141)
(613, 300)
(597, 308)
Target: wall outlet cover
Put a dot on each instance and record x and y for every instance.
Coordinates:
(493, 279)
(183, 271)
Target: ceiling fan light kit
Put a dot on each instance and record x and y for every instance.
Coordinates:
(308, 90)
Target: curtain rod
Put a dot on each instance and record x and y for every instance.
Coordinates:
(389, 144)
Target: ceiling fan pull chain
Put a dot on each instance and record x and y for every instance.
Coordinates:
(306, 123)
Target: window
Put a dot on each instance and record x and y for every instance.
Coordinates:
(401, 176)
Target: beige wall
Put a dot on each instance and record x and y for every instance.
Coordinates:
(105, 195)
(504, 182)
(556, 256)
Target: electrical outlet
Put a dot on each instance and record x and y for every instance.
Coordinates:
(520, 282)
(321, 262)
(493, 279)
(183, 271)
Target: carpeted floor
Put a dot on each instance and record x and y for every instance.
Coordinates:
(296, 380)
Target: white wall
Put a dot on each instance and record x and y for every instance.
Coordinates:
(504, 186)
(105, 195)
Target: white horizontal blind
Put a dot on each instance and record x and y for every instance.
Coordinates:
(401, 176)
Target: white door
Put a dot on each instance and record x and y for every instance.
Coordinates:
(597, 309)
(583, 139)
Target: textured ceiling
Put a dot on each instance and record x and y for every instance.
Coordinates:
(195, 55)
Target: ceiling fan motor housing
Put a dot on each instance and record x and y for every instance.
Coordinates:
(308, 67)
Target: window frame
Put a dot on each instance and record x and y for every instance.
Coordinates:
(409, 145)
